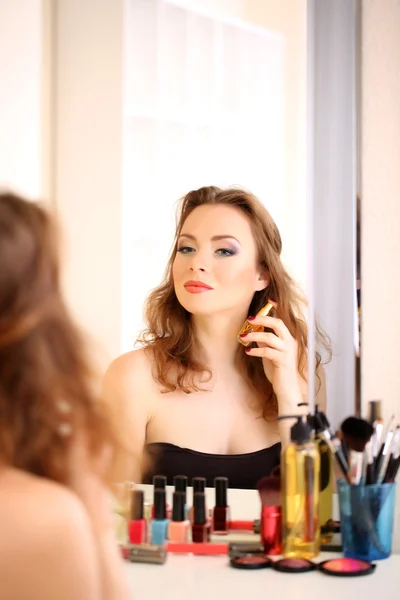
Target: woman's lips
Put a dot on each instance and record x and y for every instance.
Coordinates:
(197, 287)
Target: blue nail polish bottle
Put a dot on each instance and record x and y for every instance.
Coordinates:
(159, 525)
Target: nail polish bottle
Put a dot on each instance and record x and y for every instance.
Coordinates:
(179, 526)
(199, 486)
(180, 483)
(137, 527)
(159, 483)
(159, 524)
(221, 513)
(200, 528)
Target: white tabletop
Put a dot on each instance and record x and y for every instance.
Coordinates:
(190, 577)
(211, 578)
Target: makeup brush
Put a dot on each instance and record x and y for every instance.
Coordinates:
(356, 433)
(269, 489)
(390, 447)
(385, 442)
(322, 424)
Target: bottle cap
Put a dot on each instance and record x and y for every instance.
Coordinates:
(221, 491)
(160, 507)
(178, 506)
(375, 411)
(199, 484)
(180, 483)
(199, 508)
(159, 482)
(137, 505)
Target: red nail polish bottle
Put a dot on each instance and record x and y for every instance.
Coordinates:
(221, 513)
(137, 525)
(200, 528)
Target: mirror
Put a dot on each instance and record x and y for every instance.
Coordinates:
(190, 93)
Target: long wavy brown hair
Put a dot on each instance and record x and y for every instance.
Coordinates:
(47, 391)
(170, 335)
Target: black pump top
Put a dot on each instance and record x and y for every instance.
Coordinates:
(137, 505)
(221, 491)
(319, 421)
(178, 506)
(199, 508)
(160, 506)
(301, 431)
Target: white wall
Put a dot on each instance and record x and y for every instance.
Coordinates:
(380, 209)
(88, 146)
(24, 98)
(88, 166)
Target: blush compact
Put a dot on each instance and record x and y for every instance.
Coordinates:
(250, 561)
(346, 567)
(294, 565)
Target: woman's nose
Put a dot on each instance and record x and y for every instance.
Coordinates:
(198, 263)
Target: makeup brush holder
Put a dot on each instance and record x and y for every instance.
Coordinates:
(366, 514)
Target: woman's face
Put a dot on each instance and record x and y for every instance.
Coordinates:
(216, 268)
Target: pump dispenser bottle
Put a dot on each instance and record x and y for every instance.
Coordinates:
(326, 481)
(300, 475)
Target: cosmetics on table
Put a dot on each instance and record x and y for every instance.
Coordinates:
(137, 527)
(200, 527)
(160, 522)
(179, 526)
(249, 328)
(300, 493)
(221, 512)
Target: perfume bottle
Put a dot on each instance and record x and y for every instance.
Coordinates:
(248, 327)
(326, 481)
(300, 487)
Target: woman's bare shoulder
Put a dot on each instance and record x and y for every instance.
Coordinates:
(131, 367)
(46, 541)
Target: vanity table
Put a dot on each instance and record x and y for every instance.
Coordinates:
(186, 577)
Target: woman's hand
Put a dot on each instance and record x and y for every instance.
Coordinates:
(279, 353)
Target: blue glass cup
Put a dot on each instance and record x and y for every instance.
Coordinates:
(366, 518)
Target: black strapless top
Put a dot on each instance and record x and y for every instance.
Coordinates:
(242, 470)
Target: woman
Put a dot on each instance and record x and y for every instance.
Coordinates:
(57, 535)
(200, 403)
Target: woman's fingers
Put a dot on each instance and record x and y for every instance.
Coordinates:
(268, 353)
(273, 323)
(267, 338)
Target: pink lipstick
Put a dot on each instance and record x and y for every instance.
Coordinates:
(197, 287)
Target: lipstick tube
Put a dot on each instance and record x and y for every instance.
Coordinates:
(271, 529)
(221, 512)
(137, 526)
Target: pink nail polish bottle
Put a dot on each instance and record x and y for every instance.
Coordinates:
(179, 526)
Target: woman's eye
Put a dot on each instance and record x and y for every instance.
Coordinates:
(225, 252)
(185, 249)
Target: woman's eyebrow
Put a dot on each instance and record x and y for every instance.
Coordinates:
(215, 238)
